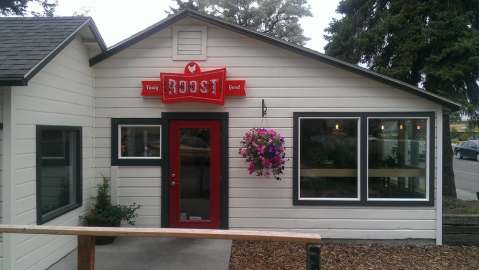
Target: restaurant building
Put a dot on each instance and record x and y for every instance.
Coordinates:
(163, 114)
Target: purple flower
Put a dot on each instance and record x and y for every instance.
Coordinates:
(264, 150)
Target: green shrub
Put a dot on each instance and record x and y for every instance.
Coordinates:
(105, 213)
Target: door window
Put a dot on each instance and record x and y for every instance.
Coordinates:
(195, 164)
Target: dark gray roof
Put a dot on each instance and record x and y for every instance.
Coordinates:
(29, 43)
(276, 42)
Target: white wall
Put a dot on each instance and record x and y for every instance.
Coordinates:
(288, 83)
(60, 94)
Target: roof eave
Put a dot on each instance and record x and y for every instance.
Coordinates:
(13, 82)
(138, 37)
(276, 42)
(331, 60)
(42, 63)
(88, 23)
(96, 33)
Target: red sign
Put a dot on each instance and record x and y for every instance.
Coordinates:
(194, 85)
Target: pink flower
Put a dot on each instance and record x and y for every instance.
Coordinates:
(264, 150)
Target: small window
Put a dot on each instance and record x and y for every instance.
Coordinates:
(189, 43)
(397, 159)
(59, 178)
(328, 158)
(136, 141)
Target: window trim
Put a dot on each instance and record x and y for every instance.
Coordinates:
(120, 157)
(117, 159)
(364, 156)
(42, 219)
(428, 161)
(358, 178)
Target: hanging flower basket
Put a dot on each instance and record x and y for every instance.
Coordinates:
(264, 151)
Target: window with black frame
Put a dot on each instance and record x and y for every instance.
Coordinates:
(397, 159)
(59, 178)
(328, 158)
(364, 158)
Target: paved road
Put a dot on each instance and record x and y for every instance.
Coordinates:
(467, 178)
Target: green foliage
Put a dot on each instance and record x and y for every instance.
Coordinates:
(458, 207)
(20, 7)
(277, 18)
(430, 43)
(105, 213)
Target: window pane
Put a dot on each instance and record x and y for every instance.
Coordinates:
(397, 150)
(140, 141)
(59, 171)
(328, 164)
(195, 155)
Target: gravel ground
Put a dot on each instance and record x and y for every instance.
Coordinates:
(251, 255)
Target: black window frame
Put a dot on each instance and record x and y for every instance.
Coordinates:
(115, 160)
(42, 219)
(363, 169)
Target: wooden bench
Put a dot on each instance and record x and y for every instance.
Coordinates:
(86, 238)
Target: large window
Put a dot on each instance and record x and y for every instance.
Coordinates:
(363, 158)
(59, 178)
(328, 158)
(136, 141)
(397, 158)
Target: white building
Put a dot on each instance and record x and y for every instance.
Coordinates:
(364, 150)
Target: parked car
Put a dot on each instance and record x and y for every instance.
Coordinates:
(467, 149)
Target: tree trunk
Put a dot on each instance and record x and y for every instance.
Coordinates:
(448, 183)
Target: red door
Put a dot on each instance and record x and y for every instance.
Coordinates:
(194, 168)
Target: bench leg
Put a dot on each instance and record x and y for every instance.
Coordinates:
(313, 256)
(86, 252)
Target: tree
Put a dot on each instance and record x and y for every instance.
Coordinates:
(82, 12)
(20, 7)
(278, 18)
(433, 44)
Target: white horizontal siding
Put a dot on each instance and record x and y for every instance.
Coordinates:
(288, 83)
(60, 94)
(141, 185)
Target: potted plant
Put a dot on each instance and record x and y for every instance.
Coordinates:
(265, 152)
(105, 214)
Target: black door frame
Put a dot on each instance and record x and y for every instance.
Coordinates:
(223, 117)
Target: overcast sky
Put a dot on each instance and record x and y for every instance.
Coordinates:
(118, 20)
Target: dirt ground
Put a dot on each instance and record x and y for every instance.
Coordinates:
(256, 255)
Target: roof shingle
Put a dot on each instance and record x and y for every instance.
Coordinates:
(26, 41)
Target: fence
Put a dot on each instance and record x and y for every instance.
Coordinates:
(462, 230)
